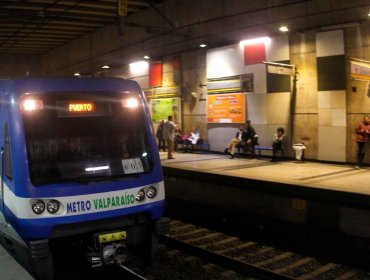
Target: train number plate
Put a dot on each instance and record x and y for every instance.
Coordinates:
(112, 236)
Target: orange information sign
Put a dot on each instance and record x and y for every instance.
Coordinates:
(226, 108)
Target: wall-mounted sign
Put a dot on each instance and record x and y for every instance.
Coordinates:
(161, 108)
(360, 70)
(281, 70)
(226, 108)
(242, 83)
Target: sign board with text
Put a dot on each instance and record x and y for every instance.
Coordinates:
(226, 108)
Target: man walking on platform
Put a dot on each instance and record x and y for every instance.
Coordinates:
(169, 135)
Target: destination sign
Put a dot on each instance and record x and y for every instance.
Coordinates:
(81, 107)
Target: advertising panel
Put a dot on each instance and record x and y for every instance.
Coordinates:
(226, 108)
(161, 108)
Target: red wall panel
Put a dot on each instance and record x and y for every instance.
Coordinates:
(155, 74)
(254, 54)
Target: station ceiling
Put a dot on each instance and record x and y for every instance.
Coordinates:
(37, 26)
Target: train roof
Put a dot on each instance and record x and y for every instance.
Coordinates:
(49, 84)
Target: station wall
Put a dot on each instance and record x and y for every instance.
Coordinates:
(327, 105)
(320, 117)
(268, 104)
(18, 65)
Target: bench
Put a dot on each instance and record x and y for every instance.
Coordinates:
(243, 148)
(258, 149)
(202, 147)
(262, 148)
(268, 148)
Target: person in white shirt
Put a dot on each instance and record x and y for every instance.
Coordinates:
(193, 138)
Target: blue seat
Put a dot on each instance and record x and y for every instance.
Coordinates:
(203, 147)
(262, 148)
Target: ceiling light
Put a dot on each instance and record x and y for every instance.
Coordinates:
(77, 74)
(105, 67)
(283, 29)
(202, 45)
(255, 41)
(139, 68)
(146, 57)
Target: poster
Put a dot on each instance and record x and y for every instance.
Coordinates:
(161, 108)
(360, 71)
(226, 108)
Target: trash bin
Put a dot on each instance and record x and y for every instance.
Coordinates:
(299, 151)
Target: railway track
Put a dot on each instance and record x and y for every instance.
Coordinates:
(248, 257)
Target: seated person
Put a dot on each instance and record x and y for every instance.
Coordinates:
(193, 138)
(234, 142)
(278, 142)
(250, 138)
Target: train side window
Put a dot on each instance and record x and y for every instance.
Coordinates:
(7, 157)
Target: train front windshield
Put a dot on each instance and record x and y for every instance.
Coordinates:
(85, 137)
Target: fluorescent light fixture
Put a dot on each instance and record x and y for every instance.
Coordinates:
(265, 40)
(96, 168)
(77, 74)
(146, 57)
(283, 29)
(139, 68)
(202, 45)
(105, 67)
(340, 26)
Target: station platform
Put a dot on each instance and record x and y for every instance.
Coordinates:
(333, 198)
(10, 268)
(335, 177)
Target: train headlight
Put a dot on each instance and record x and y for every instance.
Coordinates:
(151, 192)
(130, 102)
(38, 206)
(52, 206)
(140, 195)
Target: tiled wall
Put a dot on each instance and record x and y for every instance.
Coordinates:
(331, 96)
(268, 106)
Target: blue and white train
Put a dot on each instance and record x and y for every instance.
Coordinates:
(78, 160)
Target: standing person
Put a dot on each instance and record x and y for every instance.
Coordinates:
(161, 140)
(250, 137)
(169, 135)
(178, 139)
(363, 137)
(235, 141)
(278, 142)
